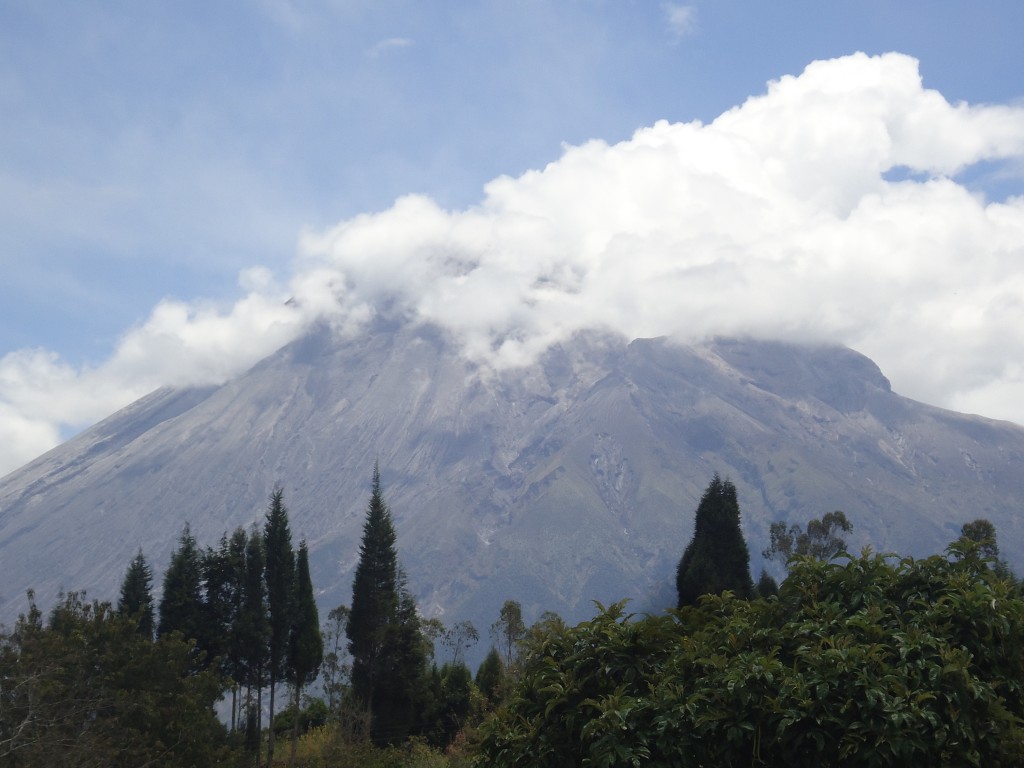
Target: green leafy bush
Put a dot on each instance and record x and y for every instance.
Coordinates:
(875, 661)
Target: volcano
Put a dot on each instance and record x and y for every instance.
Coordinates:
(568, 480)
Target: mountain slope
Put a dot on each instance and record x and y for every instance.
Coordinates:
(570, 480)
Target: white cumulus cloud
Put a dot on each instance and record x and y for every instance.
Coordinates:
(826, 209)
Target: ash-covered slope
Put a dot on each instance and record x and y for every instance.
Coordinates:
(571, 480)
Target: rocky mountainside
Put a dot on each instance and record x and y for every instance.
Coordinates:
(570, 480)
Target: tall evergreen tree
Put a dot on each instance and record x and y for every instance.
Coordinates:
(181, 604)
(252, 632)
(280, 575)
(136, 600)
(489, 675)
(402, 686)
(235, 651)
(389, 652)
(306, 646)
(717, 558)
(374, 595)
(219, 587)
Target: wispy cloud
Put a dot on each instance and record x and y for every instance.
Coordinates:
(778, 219)
(386, 46)
(682, 19)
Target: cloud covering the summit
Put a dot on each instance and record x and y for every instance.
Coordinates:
(836, 207)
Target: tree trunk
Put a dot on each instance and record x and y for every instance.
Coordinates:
(295, 723)
(259, 722)
(270, 730)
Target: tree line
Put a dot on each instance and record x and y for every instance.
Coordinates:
(138, 682)
(854, 661)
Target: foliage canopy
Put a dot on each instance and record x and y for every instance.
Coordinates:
(717, 558)
(870, 662)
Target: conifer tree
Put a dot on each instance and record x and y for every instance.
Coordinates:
(219, 587)
(374, 595)
(235, 651)
(387, 649)
(717, 558)
(489, 675)
(253, 628)
(136, 598)
(306, 647)
(181, 604)
(766, 585)
(402, 690)
(280, 576)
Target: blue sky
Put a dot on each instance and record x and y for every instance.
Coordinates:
(162, 163)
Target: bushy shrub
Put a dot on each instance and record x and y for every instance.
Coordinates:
(875, 661)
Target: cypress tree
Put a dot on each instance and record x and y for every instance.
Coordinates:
(375, 600)
(280, 576)
(136, 600)
(181, 604)
(235, 651)
(306, 647)
(717, 558)
(766, 585)
(402, 690)
(218, 589)
(252, 632)
(374, 594)
(489, 675)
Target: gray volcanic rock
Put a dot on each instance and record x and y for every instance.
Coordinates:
(570, 480)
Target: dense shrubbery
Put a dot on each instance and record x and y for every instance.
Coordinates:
(85, 687)
(870, 662)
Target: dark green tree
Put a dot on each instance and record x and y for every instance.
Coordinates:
(235, 651)
(252, 632)
(219, 586)
(280, 576)
(872, 662)
(388, 649)
(978, 538)
(374, 598)
(766, 585)
(983, 533)
(87, 689)
(136, 598)
(305, 647)
(181, 604)
(454, 702)
(403, 690)
(717, 558)
(489, 676)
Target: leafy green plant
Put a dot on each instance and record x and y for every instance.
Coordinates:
(872, 661)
